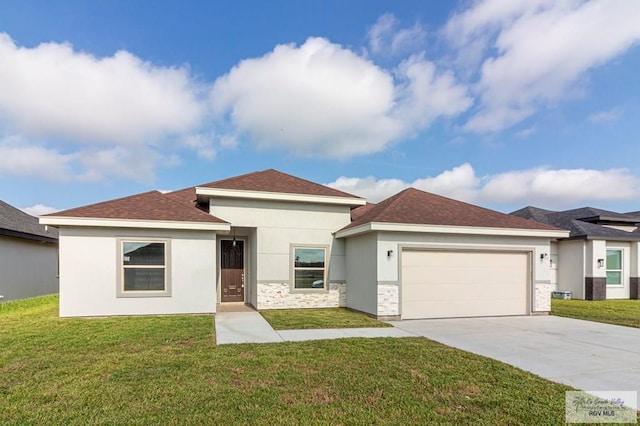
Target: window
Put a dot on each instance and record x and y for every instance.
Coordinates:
(309, 267)
(614, 267)
(143, 268)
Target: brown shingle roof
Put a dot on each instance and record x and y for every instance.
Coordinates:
(188, 197)
(275, 181)
(360, 211)
(413, 206)
(152, 205)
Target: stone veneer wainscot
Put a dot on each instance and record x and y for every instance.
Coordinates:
(279, 296)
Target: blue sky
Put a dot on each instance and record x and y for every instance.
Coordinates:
(502, 103)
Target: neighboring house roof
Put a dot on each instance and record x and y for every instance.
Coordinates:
(148, 206)
(592, 214)
(413, 206)
(16, 223)
(275, 181)
(584, 222)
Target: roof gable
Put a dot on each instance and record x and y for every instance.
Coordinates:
(16, 223)
(148, 206)
(275, 181)
(413, 206)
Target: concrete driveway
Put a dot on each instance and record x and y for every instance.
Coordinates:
(582, 354)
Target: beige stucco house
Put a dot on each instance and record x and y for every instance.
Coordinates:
(274, 241)
(28, 255)
(600, 259)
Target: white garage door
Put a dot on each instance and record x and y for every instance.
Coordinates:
(443, 284)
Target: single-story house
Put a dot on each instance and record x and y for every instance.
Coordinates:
(601, 257)
(274, 241)
(28, 255)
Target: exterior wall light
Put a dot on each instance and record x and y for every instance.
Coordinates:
(543, 256)
(389, 253)
(600, 263)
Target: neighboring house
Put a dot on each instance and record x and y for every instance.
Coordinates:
(276, 241)
(601, 257)
(28, 255)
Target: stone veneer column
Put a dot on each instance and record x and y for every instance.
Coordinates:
(595, 288)
(634, 290)
(388, 302)
(542, 297)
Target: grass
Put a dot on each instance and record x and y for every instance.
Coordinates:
(620, 312)
(168, 370)
(298, 319)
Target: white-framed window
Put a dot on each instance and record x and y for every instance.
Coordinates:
(309, 267)
(614, 267)
(143, 268)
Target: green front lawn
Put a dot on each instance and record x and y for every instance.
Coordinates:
(620, 312)
(298, 319)
(168, 370)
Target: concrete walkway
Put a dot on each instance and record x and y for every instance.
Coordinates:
(582, 354)
(244, 327)
(251, 327)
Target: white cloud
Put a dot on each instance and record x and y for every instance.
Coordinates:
(427, 94)
(229, 141)
(372, 189)
(525, 133)
(472, 22)
(322, 99)
(19, 158)
(202, 144)
(561, 187)
(543, 187)
(39, 209)
(91, 108)
(540, 50)
(22, 158)
(122, 162)
(318, 98)
(385, 37)
(80, 97)
(604, 116)
(459, 182)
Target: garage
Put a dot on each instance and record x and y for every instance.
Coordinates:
(453, 283)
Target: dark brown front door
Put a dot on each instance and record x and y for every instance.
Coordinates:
(232, 271)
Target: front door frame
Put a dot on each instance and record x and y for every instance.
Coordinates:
(244, 262)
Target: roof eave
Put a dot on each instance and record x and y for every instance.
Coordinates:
(133, 223)
(609, 238)
(605, 218)
(279, 196)
(27, 236)
(449, 229)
